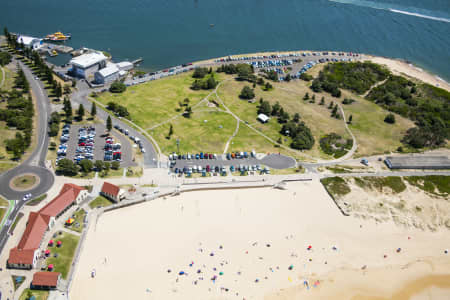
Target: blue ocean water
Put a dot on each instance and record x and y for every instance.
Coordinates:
(170, 32)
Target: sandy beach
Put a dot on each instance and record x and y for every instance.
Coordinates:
(254, 244)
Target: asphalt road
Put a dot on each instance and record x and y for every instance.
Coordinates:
(35, 162)
(80, 96)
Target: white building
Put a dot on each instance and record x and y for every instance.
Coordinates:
(107, 75)
(263, 118)
(125, 66)
(86, 65)
(30, 42)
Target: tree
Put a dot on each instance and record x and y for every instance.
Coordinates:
(67, 107)
(247, 93)
(276, 109)
(280, 140)
(109, 123)
(306, 97)
(331, 105)
(93, 109)
(107, 166)
(115, 165)
(80, 112)
(288, 77)
(200, 72)
(390, 119)
(284, 117)
(67, 167)
(188, 112)
(86, 165)
(296, 118)
(98, 165)
(264, 108)
(117, 87)
(268, 86)
(185, 101)
(322, 101)
(306, 77)
(350, 119)
(170, 131)
(334, 111)
(58, 90)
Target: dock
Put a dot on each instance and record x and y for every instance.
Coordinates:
(137, 61)
(59, 48)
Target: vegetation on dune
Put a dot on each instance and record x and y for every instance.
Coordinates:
(396, 184)
(439, 185)
(354, 76)
(427, 106)
(336, 186)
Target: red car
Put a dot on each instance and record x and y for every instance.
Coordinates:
(208, 168)
(210, 156)
(82, 144)
(206, 156)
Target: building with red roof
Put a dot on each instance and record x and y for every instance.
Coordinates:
(45, 280)
(25, 254)
(112, 192)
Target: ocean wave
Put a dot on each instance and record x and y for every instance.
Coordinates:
(419, 15)
(395, 9)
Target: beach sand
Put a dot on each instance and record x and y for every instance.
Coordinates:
(399, 67)
(255, 235)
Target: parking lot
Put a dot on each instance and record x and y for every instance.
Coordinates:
(97, 143)
(274, 161)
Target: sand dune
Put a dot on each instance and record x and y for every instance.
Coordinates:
(255, 235)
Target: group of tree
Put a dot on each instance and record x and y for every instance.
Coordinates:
(67, 108)
(348, 101)
(205, 79)
(358, 77)
(334, 144)
(271, 75)
(54, 124)
(334, 110)
(245, 72)
(67, 167)
(18, 114)
(247, 93)
(428, 106)
(118, 109)
(117, 87)
(302, 138)
(306, 77)
(5, 58)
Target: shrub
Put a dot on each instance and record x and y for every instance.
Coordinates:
(390, 119)
(247, 93)
(117, 87)
(306, 77)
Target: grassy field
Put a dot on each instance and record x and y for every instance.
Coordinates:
(195, 134)
(79, 218)
(39, 295)
(2, 213)
(100, 201)
(373, 135)
(63, 262)
(5, 166)
(134, 172)
(156, 101)
(112, 173)
(3, 202)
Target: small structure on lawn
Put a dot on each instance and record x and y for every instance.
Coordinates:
(50, 243)
(112, 192)
(59, 244)
(45, 280)
(263, 118)
(50, 267)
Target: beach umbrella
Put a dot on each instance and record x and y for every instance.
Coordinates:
(220, 273)
(309, 247)
(50, 243)
(59, 243)
(70, 221)
(47, 252)
(50, 267)
(181, 273)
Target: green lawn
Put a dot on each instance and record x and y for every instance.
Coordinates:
(63, 262)
(112, 173)
(5, 166)
(37, 200)
(156, 101)
(195, 134)
(2, 213)
(100, 201)
(40, 295)
(79, 218)
(134, 172)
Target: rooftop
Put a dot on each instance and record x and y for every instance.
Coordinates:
(27, 40)
(109, 70)
(86, 60)
(67, 195)
(263, 117)
(111, 189)
(45, 279)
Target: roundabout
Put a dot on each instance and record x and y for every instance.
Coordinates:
(25, 179)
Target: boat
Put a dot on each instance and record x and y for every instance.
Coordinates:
(58, 36)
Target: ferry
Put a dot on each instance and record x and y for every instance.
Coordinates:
(58, 36)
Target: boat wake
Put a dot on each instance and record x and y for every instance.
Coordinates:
(395, 9)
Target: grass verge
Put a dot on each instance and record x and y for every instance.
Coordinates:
(37, 200)
(63, 262)
(100, 201)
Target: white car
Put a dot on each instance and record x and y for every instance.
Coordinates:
(143, 150)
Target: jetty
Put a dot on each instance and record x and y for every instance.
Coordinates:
(137, 61)
(59, 48)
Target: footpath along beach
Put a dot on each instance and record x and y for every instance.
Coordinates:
(257, 244)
